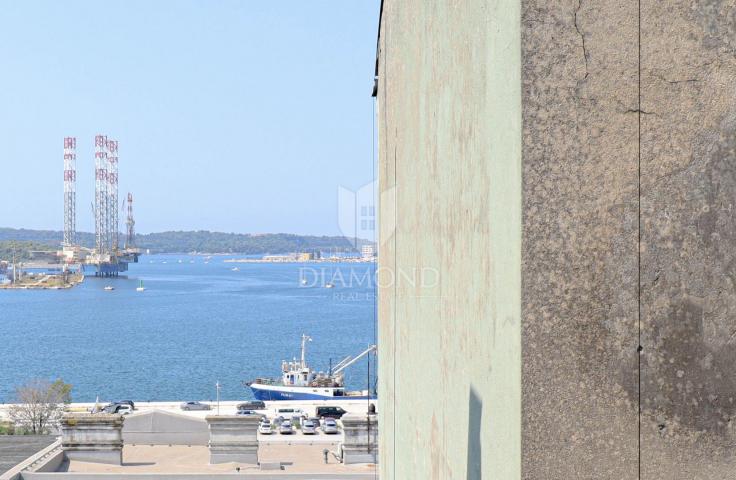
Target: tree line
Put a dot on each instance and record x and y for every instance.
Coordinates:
(191, 241)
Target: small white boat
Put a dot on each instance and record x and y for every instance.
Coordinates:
(109, 288)
(304, 282)
(140, 288)
(235, 269)
(329, 285)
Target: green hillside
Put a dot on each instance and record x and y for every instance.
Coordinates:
(198, 241)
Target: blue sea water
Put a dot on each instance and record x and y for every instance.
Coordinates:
(195, 325)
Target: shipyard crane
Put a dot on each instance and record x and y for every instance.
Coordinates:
(347, 361)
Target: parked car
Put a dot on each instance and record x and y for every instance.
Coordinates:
(289, 412)
(330, 412)
(254, 405)
(265, 428)
(329, 426)
(114, 407)
(309, 428)
(194, 406)
(278, 421)
(126, 402)
(246, 412)
(286, 428)
(124, 409)
(315, 421)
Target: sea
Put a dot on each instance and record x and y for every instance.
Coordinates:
(199, 323)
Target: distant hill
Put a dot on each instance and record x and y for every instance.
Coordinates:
(20, 250)
(200, 241)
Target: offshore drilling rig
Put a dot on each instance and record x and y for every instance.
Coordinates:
(106, 258)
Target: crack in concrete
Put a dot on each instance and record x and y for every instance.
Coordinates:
(582, 38)
(674, 82)
(636, 110)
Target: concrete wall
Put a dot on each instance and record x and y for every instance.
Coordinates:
(629, 185)
(449, 133)
(580, 235)
(688, 147)
(157, 427)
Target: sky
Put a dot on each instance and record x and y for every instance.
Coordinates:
(234, 116)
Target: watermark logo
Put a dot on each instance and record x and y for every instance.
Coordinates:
(417, 278)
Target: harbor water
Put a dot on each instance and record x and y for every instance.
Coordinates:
(197, 323)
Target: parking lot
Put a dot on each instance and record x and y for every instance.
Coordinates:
(306, 408)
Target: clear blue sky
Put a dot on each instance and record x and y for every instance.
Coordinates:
(235, 116)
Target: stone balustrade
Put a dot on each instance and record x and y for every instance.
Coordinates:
(233, 438)
(361, 439)
(93, 438)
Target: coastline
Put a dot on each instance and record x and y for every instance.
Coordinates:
(43, 284)
(292, 260)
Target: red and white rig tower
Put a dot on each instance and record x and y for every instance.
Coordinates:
(70, 191)
(130, 223)
(107, 257)
(113, 227)
(101, 197)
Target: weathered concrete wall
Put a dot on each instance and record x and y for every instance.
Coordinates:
(87, 437)
(450, 130)
(580, 236)
(361, 439)
(688, 260)
(233, 438)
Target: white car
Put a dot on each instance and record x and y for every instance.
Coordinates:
(125, 409)
(265, 428)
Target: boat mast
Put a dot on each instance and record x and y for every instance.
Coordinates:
(305, 339)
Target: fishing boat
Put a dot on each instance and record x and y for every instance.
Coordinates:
(140, 288)
(299, 382)
(109, 288)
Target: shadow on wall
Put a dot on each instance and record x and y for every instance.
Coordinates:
(475, 413)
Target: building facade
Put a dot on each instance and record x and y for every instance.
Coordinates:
(566, 171)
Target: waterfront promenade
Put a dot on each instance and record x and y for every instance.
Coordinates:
(230, 408)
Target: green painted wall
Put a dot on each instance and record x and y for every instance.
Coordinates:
(449, 115)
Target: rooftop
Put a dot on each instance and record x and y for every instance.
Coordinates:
(195, 459)
(16, 448)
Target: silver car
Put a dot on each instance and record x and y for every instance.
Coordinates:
(329, 426)
(309, 428)
(187, 406)
(286, 428)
